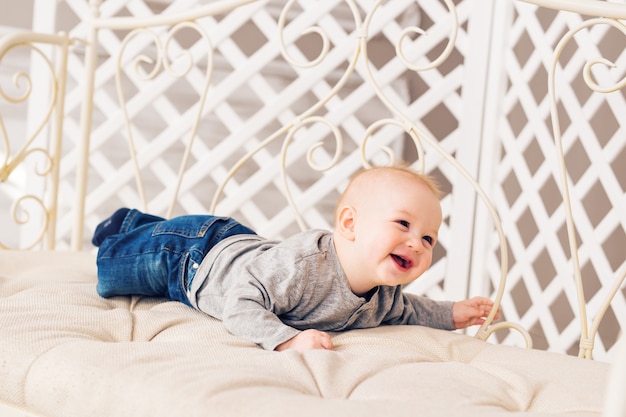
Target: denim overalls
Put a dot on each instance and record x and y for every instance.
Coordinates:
(159, 258)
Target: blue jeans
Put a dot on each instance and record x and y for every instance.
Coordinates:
(159, 258)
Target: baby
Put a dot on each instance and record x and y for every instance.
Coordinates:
(288, 294)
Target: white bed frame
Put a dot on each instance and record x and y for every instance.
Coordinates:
(305, 132)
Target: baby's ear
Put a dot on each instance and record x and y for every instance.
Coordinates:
(346, 218)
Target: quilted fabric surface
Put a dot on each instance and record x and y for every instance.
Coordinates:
(65, 351)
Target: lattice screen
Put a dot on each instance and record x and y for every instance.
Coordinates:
(528, 193)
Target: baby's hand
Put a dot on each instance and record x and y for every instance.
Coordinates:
(306, 340)
(473, 311)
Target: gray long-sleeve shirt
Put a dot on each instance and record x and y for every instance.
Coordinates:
(267, 291)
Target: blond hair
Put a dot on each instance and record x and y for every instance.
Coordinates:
(362, 175)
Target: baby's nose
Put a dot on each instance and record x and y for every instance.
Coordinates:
(415, 243)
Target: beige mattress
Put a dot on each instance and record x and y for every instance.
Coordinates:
(64, 351)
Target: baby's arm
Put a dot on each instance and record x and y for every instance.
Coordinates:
(306, 340)
(252, 313)
(473, 311)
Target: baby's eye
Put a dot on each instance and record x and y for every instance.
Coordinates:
(403, 223)
(428, 239)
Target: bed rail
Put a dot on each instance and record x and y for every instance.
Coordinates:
(40, 149)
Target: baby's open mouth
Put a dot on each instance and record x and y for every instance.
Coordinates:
(403, 263)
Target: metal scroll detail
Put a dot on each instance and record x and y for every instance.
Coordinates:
(33, 211)
(177, 66)
(588, 330)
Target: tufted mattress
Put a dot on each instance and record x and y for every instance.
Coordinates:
(65, 351)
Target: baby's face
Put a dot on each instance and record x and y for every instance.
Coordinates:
(396, 229)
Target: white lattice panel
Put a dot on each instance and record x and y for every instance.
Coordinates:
(528, 195)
